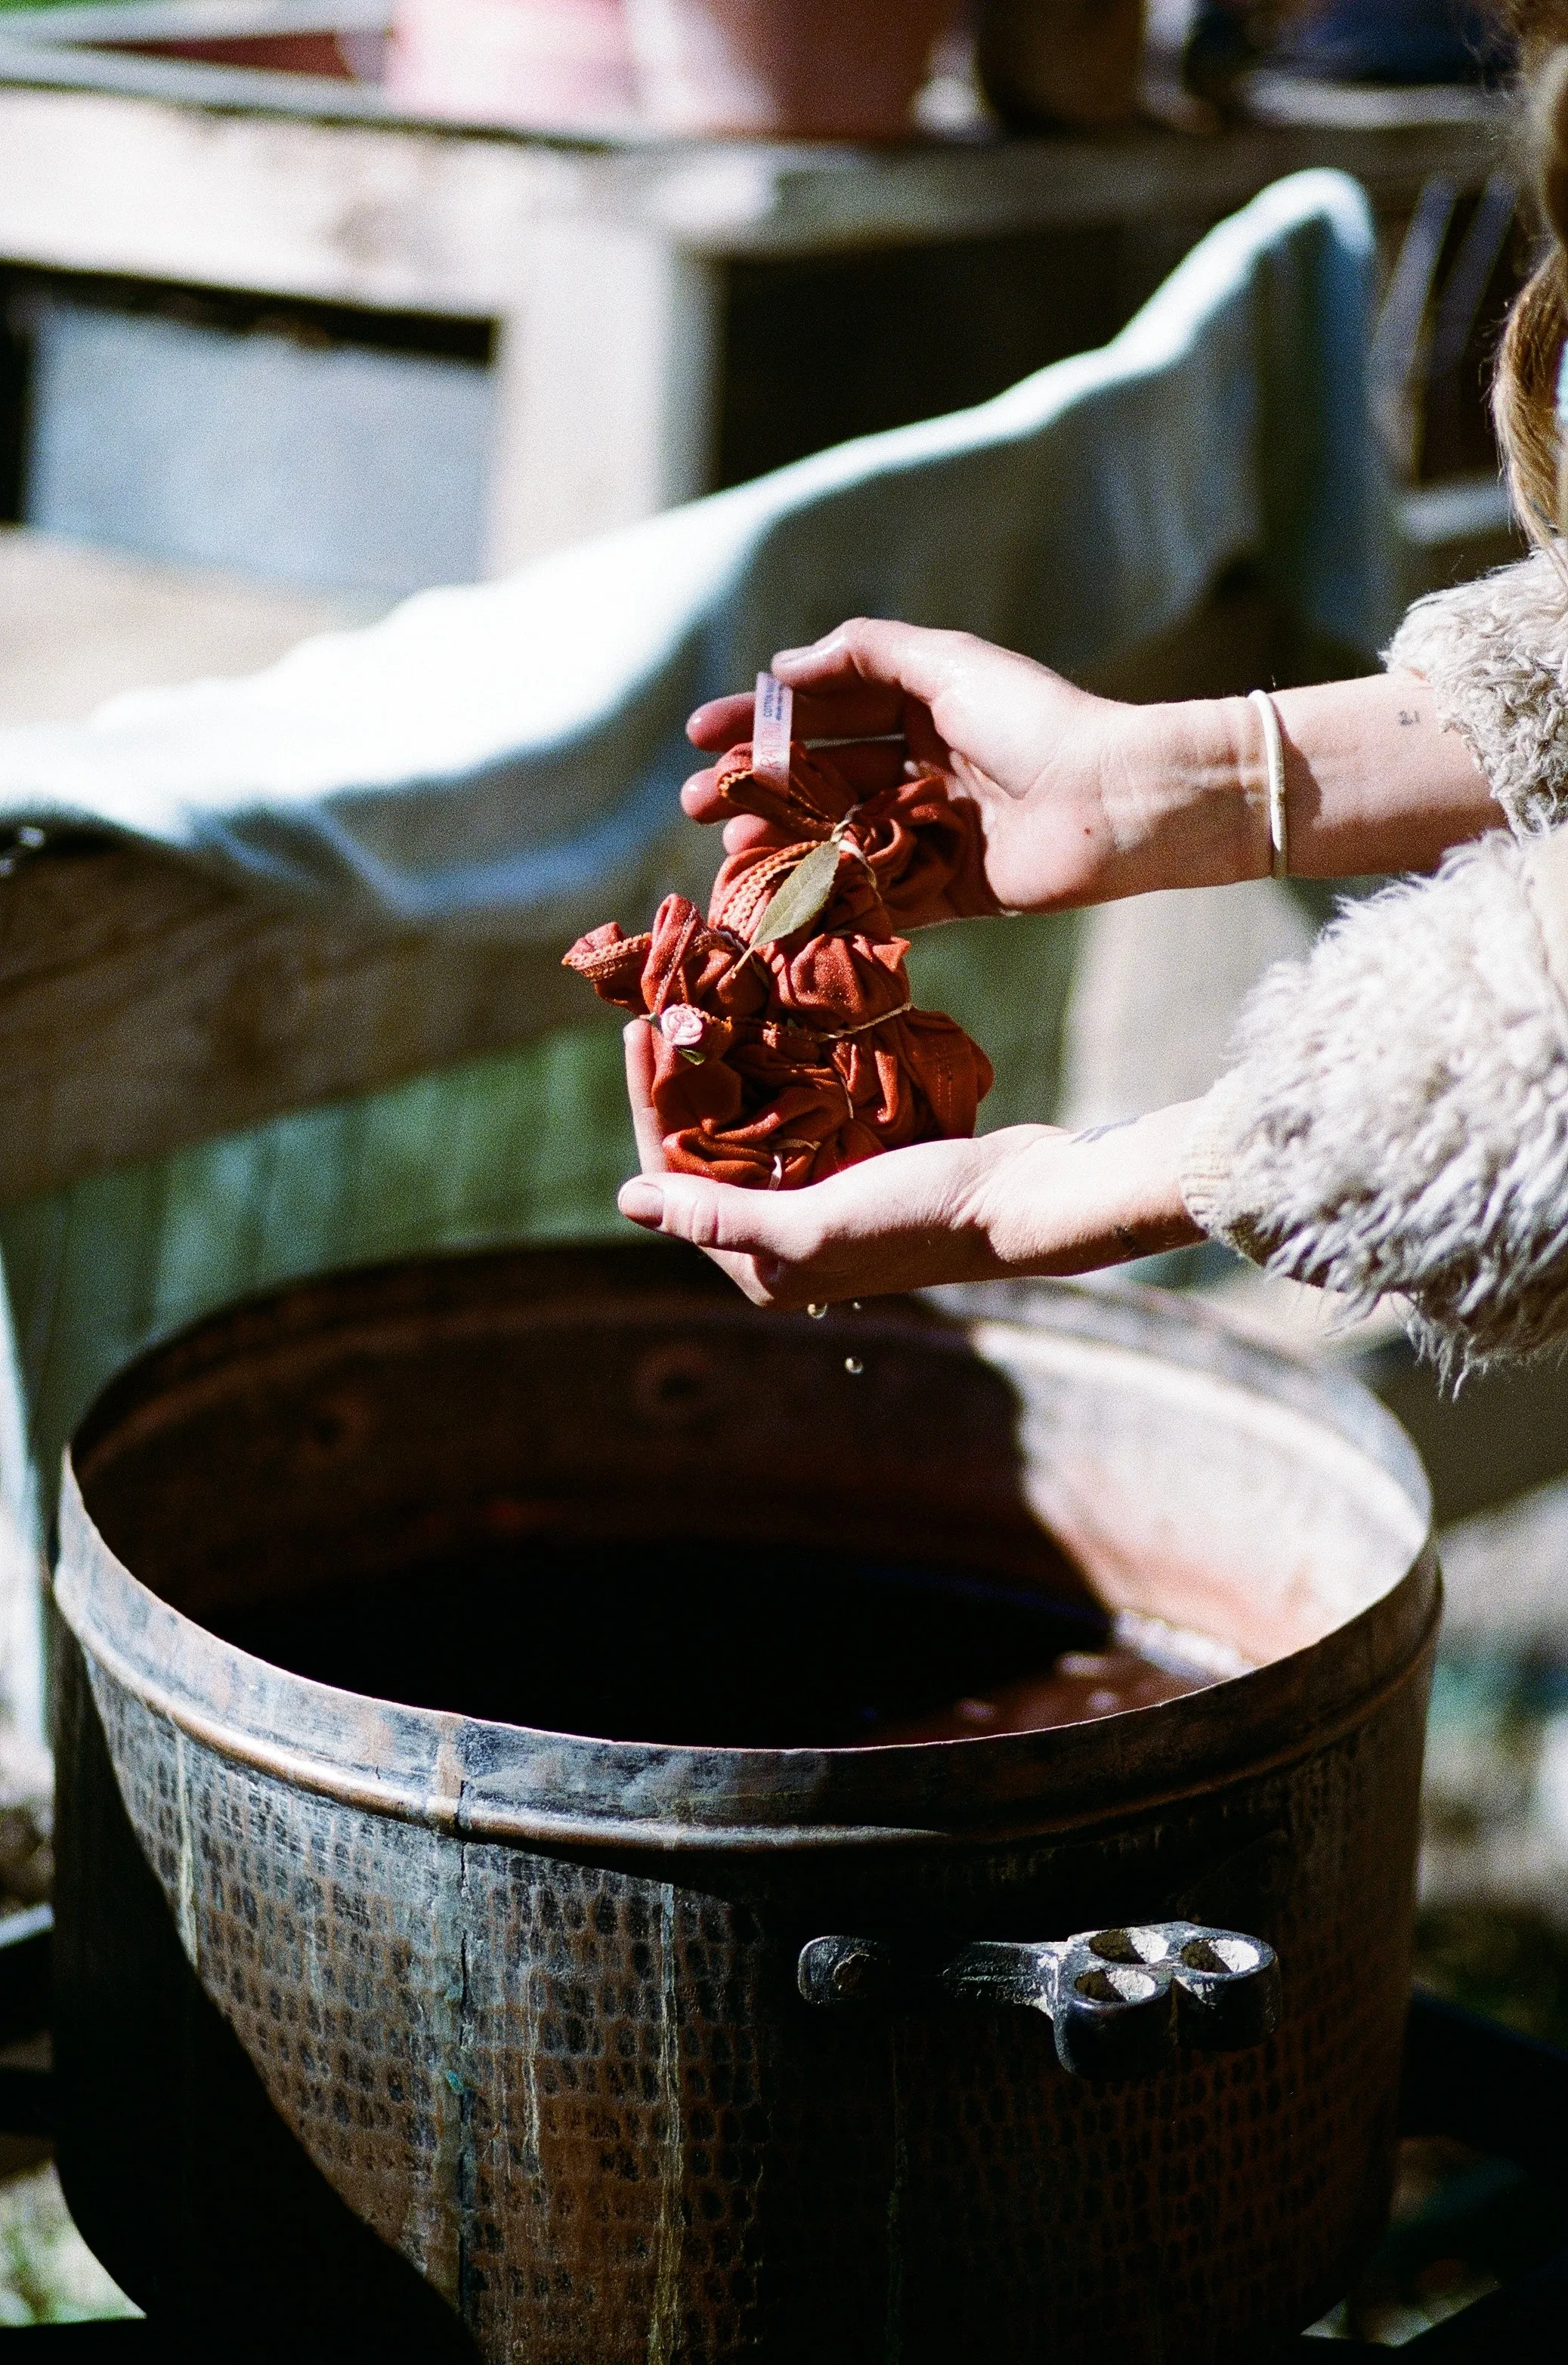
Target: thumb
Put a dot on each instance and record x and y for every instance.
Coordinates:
(718, 1217)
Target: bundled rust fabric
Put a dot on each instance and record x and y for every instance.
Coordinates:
(779, 1063)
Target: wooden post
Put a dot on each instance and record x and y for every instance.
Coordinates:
(609, 369)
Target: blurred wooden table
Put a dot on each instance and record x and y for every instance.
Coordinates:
(617, 270)
(79, 626)
(145, 1003)
(624, 273)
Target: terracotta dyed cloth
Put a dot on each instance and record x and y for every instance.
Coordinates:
(780, 1064)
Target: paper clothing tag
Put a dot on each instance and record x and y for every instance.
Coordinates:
(771, 722)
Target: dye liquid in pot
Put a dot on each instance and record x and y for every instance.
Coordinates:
(703, 1642)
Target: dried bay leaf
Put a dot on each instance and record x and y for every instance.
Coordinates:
(801, 896)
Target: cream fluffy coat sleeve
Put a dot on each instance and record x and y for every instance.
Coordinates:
(1396, 1122)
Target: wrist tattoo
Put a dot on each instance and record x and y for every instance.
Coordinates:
(1097, 1132)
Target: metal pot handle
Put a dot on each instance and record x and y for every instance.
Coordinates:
(1121, 2001)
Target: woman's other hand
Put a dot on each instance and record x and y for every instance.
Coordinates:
(1079, 801)
(1029, 1199)
(1082, 800)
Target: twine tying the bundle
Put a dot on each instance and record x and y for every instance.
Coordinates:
(788, 1044)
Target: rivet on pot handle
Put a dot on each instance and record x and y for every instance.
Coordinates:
(1121, 2001)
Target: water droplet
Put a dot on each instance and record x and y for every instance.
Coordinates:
(855, 1306)
(854, 1366)
(816, 1312)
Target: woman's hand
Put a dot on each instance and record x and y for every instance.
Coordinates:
(1029, 1199)
(1081, 799)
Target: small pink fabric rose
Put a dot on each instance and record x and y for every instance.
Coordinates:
(683, 1028)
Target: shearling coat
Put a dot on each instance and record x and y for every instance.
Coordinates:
(1396, 1122)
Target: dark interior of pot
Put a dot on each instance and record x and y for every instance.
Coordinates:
(594, 1492)
(751, 1648)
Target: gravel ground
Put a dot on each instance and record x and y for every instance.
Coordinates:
(1493, 1917)
(48, 2275)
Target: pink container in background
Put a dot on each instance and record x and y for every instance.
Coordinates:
(534, 65)
(807, 69)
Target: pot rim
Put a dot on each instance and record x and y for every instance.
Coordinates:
(515, 1785)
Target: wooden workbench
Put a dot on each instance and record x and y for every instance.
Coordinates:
(604, 262)
(146, 1003)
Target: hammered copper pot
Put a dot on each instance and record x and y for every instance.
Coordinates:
(397, 2030)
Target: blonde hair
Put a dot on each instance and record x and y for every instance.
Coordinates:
(1524, 384)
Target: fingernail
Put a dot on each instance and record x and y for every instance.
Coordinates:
(640, 1200)
(795, 656)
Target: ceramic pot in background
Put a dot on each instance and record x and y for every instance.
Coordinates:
(534, 65)
(809, 68)
(1072, 61)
